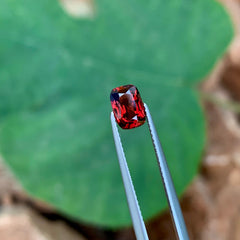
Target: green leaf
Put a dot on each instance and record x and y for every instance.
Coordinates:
(56, 74)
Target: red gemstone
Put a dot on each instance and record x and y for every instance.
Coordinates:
(128, 107)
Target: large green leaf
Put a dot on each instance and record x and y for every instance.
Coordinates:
(56, 74)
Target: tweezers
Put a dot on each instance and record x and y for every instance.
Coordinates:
(135, 212)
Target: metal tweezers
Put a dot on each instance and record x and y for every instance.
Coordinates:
(137, 219)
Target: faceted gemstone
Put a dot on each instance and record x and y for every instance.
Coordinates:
(127, 106)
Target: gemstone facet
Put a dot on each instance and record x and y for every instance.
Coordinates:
(128, 108)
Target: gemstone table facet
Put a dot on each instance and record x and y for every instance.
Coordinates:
(128, 107)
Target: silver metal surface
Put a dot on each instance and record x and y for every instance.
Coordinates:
(137, 219)
(180, 227)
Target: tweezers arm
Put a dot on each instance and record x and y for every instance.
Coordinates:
(173, 202)
(138, 223)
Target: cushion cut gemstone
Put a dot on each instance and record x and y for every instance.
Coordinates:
(127, 106)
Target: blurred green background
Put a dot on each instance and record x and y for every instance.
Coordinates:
(56, 74)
